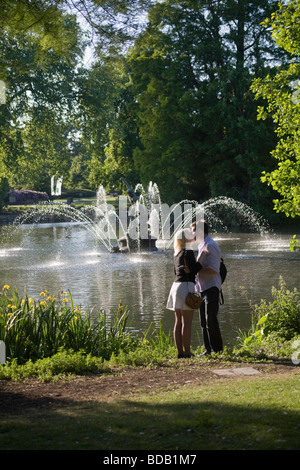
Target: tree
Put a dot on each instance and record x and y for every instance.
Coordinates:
(191, 71)
(36, 120)
(107, 122)
(45, 20)
(54, 119)
(282, 94)
(4, 187)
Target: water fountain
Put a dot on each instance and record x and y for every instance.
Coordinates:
(138, 243)
(147, 224)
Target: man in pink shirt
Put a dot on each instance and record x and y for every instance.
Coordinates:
(208, 283)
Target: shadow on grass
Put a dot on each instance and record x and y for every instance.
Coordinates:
(48, 423)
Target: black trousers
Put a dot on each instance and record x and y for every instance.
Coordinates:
(209, 309)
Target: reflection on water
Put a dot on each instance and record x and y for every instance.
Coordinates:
(56, 257)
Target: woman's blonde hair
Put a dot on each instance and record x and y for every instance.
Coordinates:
(180, 241)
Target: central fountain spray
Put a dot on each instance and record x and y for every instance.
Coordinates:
(127, 243)
(147, 224)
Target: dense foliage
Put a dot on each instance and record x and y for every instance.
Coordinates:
(191, 72)
(34, 329)
(283, 104)
(166, 97)
(275, 325)
(4, 187)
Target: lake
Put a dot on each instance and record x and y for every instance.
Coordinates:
(66, 256)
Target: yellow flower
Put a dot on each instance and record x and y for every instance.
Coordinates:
(65, 300)
(11, 306)
(5, 287)
(43, 303)
(43, 294)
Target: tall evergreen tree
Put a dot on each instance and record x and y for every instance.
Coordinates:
(191, 71)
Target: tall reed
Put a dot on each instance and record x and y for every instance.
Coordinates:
(35, 329)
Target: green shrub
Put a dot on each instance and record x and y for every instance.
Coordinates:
(275, 324)
(62, 364)
(282, 315)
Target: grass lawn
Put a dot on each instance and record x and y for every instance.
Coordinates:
(251, 414)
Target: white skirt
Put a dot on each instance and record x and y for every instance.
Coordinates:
(177, 295)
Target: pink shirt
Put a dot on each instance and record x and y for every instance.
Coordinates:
(209, 255)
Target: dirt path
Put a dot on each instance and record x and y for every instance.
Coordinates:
(16, 397)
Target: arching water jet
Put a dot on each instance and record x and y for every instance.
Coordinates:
(147, 224)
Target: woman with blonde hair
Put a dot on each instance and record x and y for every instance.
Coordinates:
(185, 270)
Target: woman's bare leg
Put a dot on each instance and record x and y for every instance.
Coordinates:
(177, 332)
(183, 331)
(187, 319)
